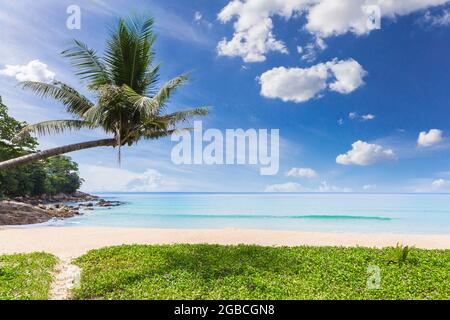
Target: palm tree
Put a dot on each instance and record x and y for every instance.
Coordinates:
(129, 106)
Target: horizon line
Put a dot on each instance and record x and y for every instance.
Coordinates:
(262, 192)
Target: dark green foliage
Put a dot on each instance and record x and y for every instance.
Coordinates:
(52, 176)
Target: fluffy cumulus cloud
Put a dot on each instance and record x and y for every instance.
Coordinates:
(253, 34)
(294, 84)
(430, 138)
(301, 173)
(33, 71)
(98, 179)
(302, 84)
(364, 154)
(348, 75)
(296, 187)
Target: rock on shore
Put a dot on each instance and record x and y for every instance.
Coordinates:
(32, 210)
(46, 199)
(18, 213)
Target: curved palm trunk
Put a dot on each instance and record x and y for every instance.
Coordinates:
(55, 151)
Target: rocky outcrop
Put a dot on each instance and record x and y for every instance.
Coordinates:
(19, 213)
(106, 203)
(62, 197)
(32, 210)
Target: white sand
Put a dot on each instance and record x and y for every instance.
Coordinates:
(72, 242)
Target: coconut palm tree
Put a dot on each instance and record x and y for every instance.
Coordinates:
(129, 105)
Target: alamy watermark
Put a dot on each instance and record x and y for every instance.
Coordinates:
(235, 147)
(373, 277)
(373, 13)
(73, 21)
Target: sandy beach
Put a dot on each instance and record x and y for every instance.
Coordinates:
(75, 241)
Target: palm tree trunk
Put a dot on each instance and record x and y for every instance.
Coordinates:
(55, 151)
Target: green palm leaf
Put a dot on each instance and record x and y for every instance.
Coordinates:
(88, 64)
(164, 94)
(185, 115)
(148, 85)
(74, 101)
(129, 106)
(129, 55)
(144, 105)
(53, 126)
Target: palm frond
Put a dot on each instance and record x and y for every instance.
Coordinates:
(143, 105)
(88, 64)
(75, 102)
(94, 115)
(156, 134)
(185, 115)
(148, 85)
(129, 53)
(130, 105)
(52, 126)
(166, 91)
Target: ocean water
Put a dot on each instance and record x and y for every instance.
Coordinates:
(360, 213)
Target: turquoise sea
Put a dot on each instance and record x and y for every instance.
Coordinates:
(373, 213)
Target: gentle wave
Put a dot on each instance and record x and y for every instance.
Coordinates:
(240, 216)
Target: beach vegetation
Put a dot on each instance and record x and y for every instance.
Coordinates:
(401, 254)
(256, 272)
(26, 276)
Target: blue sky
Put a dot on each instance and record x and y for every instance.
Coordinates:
(350, 101)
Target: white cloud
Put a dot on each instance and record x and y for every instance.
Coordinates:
(364, 154)
(309, 52)
(285, 187)
(438, 20)
(198, 16)
(440, 185)
(368, 117)
(296, 187)
(365, 117)
(294, 84)
(303, 84)
(430, 138)
(99, 179)
(349, 76)
(325, 187)
(369, 187)
(330, 18)
(253, 34)
(352, 115)
(33, 71)
(301, 173)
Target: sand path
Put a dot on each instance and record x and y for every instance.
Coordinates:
(70, 242)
